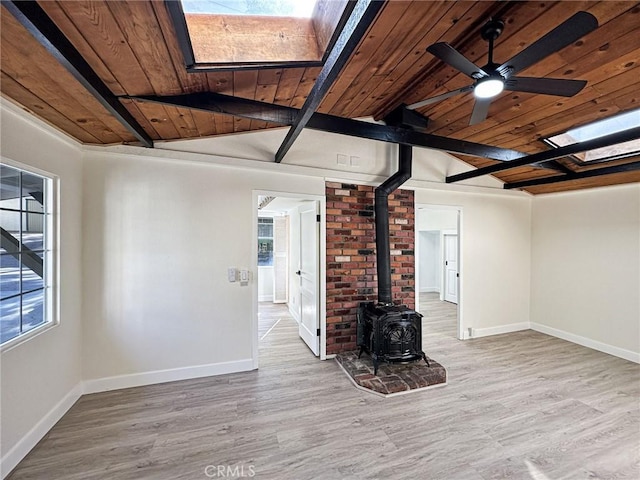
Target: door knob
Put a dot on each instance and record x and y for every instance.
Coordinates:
(298, 272)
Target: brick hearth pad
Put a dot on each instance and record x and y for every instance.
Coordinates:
(392, 379)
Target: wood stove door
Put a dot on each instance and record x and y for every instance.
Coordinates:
(308, 273)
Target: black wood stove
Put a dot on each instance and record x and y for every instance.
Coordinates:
(388, 332)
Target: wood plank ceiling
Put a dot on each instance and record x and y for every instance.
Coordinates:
(132, 46)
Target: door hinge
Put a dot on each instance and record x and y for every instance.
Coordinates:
(318, 218)
(318, 332)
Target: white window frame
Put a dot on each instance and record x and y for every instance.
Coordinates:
(52, 241)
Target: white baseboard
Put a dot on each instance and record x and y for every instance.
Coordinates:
(430, 290)
(486, 332)
(26, 443)
(162, 376)
(265, 298)
(587, 342)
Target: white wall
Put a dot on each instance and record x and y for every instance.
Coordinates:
(495, 257)
(429, 261)
(586, 268)
(41, 377)
(432, 218)
(265, 283)
(157, 248)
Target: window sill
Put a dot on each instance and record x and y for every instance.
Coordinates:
(19, 340)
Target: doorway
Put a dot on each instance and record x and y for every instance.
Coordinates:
(289, 288)
(438, 266)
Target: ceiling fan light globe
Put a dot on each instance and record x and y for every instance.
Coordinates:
(488, 88)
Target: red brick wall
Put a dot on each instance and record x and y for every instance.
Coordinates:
(351, 257)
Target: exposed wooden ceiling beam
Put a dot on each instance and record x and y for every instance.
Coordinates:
(255, 110)
(597, 172)
(362, 16)
(174, 7)
(606, 141)
(45, 31)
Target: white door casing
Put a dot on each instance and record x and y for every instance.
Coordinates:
(308, 274)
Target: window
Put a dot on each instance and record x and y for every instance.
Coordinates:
(265, 242)
(598, 129)
(25, 253)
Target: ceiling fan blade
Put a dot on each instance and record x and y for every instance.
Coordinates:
(564, 34)
(437, 98)
(451, 56)
(548, 86)
(480, 110)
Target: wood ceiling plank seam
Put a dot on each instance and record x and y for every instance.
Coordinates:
(40, 108)
(269, 76)
(264, 93)
(266, 88)
(38, 70)
(304, 87)
(191, 82)
(183, 121)
(96, 18)
(204, 122)
(456, 14)
(244, 86)
(220, 82)
(375, 37)
(132, 106)
(288, 85)
(429, 16)
(147, 44)
(71, 107)
(56, 12)
(607, 11)
(159, 118)
(226, 123)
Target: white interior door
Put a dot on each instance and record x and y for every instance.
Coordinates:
(308, 273)
(451, 268)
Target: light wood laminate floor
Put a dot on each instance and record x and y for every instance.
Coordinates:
(517, 406)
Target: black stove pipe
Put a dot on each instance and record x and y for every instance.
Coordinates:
(383, 250)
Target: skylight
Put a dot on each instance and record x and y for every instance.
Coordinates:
(256, 33)
(598, 129)
(279, 8)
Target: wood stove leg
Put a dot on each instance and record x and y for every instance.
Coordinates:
(374, 358)
(426, 360)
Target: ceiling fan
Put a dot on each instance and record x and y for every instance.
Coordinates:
(493, 78)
